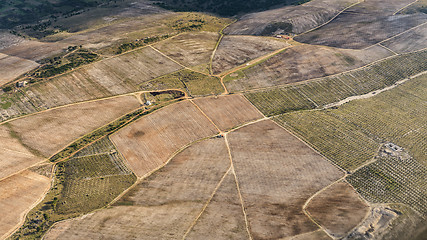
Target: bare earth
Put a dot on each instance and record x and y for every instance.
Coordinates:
(151, 141)
(277, 173)
(228, 111)
(339, 209)
(50, 131)
(17, 194)
(14, 157)
(12, 67)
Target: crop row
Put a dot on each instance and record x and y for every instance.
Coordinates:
(320, 92)
(393, 180)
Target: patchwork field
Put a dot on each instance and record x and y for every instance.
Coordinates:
(14, 156)
(413, 40)
(229, 111)
(302, 18)
(373, 20)
(18, 194)
(192, 49)
(321, 92)
(150, 142)
(82, 184)
(163, 205)
(277, 173)
(50, 131)
(351, 134)
(194, 83)
(113, 76)
(301, 63)
(234, 51)
(12, 67)
(338, 209)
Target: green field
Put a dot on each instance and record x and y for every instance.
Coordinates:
(88, 181)
(351, 134)
(320, 92)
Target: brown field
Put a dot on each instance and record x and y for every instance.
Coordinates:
(14, 156)
(365, 24)
(50, 131)
(7, 39)
(12, 67)
(277, 173)
(164, 205)
(150, 141)
(17, 194)
(237, 50)
(316, 235)
(413, 40)
(223, 218)
(338, 209)
(190, 49)
(304, 62)
(34, 50)
(303, 17)
(228, 111)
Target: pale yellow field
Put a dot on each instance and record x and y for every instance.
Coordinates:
(18, 194)
(12, 67)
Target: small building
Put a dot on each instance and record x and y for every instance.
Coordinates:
(21, 84)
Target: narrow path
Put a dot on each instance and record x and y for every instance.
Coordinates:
(204, 114)
(388, 49)
(221, 36)
(207, 203)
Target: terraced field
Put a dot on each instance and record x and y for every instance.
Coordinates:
(321, 92)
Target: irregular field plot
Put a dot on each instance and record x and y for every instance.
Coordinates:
(113, 76)
(190, 49)
(12, 67)
(82, 184)
(228, 111)
(302, 17)
(34, 50)
(14, 156)
(277, 173)
(338, 209)
(236, 50)
(49, 131)
(351, 134)
(17, 195)
(162, 206)
(303, 62)
(363, 25)
(194, 83)
(318, 93)
(223, 218)
(150, 141)
(413, 40)
(393, 180)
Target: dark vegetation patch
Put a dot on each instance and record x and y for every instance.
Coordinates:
(224, 7)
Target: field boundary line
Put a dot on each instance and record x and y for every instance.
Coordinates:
(302, 234)
(221, 36)
(242, 202)
(333, 18)
(23, 216)
(318, 79)
(388, 49)
(400, 9)
(204, 114)
(207, 203)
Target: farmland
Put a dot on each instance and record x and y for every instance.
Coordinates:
(227, 112)
(48, 133)
(18, 194)
(320, 92)
(151, 141)
(264, 156)
(236, 50)
(303, 62)
(12, 67)
(412, 40)
(163, 205)
(373, 20)
(194, 83)
(82, 184)
(338, 209)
